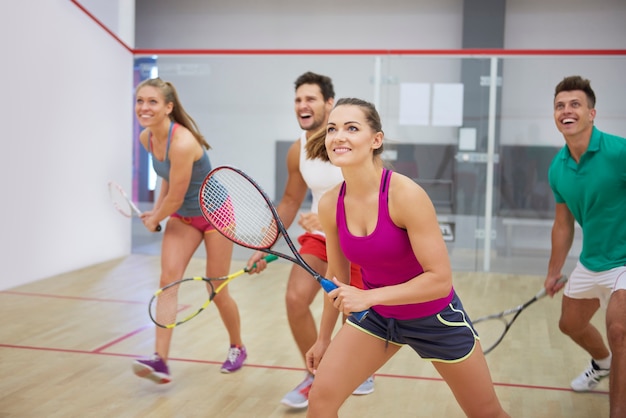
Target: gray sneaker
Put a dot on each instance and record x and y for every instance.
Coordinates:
(366, 387)
(590, 378)
(299, 396)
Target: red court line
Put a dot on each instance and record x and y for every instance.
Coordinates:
(424, 52)
(120, 339)
(100, 350)
(270, 367)
(102, 25)
(89, 299)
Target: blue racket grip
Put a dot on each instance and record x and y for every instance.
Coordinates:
(328, 286)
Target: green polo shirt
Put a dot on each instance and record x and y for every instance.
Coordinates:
(594, 190)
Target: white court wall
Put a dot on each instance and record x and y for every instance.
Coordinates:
(243, 104)
(67, 128)
(371, 24)
(528, 83)
(279, 24)
(565, 24)
(117, 15)
(67, 105)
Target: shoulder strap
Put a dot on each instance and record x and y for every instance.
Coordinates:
(173, 127)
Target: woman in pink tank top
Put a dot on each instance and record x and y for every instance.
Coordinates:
(386, 223)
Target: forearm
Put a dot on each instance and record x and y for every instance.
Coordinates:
(328, 321)
(562, 239)
(287, 210)
(423, 288)
(165, 208)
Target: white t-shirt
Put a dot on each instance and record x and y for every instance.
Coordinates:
(320, 176)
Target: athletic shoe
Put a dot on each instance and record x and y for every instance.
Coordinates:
(366, 387)
(236, 357)
(590, 378)
(299, 396)
(153, 368)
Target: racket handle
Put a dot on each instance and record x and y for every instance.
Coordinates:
(158, 228)
(360, 315)
(268, 258)
(543, 292)
(328, 286)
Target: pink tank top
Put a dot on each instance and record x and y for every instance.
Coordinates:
(385, 256)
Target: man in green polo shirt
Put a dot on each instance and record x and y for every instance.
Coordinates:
(588, 179)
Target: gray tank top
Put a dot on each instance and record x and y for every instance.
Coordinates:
(201, 167)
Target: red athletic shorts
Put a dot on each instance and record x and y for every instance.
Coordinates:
(315, 244)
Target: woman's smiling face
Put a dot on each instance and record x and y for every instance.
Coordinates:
(150, 106)
(349, 137)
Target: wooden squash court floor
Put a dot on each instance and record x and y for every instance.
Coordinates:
(67, 343)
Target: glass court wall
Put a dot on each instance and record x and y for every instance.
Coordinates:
(475, 130)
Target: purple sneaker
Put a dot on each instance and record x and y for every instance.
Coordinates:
(236, 357)
(153, 368)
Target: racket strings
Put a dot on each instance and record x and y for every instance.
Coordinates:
(119, 200)
(490, 332)
(180, 302)
(236, 207)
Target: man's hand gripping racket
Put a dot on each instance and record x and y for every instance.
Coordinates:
(240, 210)
(492, 328)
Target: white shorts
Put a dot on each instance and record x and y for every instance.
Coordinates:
(586, 284)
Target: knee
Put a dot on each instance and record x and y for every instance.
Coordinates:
(569, 327)
(616, 334)
(296, 301)
(295, 305)
(321, 402)
(167, 278)
(222, 299)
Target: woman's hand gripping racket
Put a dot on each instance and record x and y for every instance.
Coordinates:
(492, 328)
(240, 210)
(184, 299)
(122, 202)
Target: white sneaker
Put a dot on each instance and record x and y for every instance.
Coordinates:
(366, 387)
(590, 378)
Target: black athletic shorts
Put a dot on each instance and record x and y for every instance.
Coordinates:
(447, 336)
